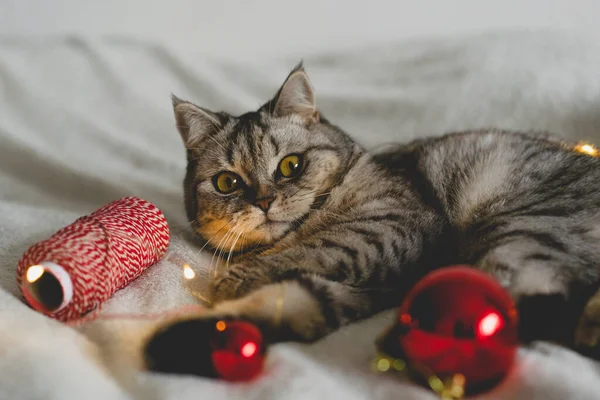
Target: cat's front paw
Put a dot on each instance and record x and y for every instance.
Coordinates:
(237, 280)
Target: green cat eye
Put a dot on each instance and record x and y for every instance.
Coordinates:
(227, 182)
(291, 166)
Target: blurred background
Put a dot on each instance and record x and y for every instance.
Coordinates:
(230, 29)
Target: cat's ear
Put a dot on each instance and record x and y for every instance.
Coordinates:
(194, 122)
(296, 97)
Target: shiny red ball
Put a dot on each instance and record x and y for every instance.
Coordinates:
(238, 350)
(458, 320)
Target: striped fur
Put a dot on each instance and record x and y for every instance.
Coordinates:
(355, 230)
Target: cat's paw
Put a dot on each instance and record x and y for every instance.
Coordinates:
(587, 333)
(237, 281)
(225, 285)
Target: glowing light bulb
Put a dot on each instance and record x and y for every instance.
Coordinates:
(249, 349)
(398, 365)
(436, 383)
(383, 364)
(490, 324)
(221, 326)
(188, 272)
(34, 273)
(587, 149)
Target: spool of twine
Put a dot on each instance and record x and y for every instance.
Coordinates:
(79, 267)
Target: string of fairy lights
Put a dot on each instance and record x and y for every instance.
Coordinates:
(586, 148)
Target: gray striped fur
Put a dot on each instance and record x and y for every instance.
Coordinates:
(356, 229)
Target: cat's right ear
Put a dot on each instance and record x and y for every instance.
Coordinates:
(296, 97)
(194, 122)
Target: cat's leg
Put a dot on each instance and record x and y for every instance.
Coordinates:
(307, 307)
(548, 266)
(302, 309)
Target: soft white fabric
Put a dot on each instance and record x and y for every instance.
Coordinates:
(86, 122)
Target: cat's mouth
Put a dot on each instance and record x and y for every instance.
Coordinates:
(266, 232)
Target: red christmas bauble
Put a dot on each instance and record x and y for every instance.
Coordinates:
(457, 321)
(238, 350)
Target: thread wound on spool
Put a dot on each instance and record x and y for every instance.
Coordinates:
(98, 254)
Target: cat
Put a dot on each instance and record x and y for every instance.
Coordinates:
(321, 232)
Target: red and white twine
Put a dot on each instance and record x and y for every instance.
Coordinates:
(101, 253)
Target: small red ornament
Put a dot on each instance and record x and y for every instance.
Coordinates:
(231, 350)
(238, 351)
(458, 328)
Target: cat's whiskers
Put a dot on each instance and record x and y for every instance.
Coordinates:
(209, 240)
(217, 250)
(219, 257)
(232, 232)
(215, 261)
(235, 229)
(233, 247)
(243, 242)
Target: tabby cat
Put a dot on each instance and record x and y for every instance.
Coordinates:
(318, 232)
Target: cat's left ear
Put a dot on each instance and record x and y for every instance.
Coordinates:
(296, 97)
(194, 122)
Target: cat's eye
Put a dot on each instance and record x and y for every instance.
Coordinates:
(227, 182)
(291, 166)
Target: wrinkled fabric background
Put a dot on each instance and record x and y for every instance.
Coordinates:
(84, 122)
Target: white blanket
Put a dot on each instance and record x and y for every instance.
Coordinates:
(83, 123)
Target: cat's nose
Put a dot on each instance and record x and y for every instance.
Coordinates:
(264, 203)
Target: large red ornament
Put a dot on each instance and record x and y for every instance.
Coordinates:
(238, 351)
(458, 328)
